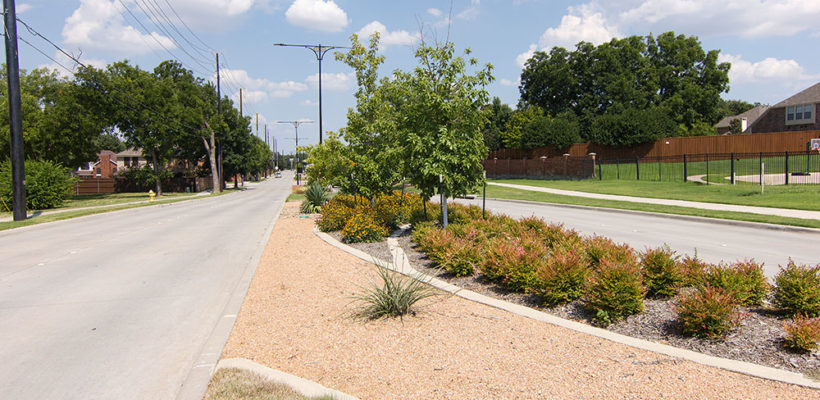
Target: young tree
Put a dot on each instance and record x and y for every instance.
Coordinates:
(329, 162)
(438, 109)
(372, 130)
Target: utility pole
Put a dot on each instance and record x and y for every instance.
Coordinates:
(219, 111)
(240, 103)
(319, 51)
(257, 124)
(18, 175)
(296, 129)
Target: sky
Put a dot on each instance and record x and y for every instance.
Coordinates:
(768, 42)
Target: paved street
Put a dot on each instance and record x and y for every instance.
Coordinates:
(713, 241)
(121, 305)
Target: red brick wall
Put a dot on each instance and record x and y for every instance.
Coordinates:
(774, 120)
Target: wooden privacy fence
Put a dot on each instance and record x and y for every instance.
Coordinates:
(677, 146)
(84, 186)
(562, 167)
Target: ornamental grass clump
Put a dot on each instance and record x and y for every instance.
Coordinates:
(662, 274)
(362, 227)
(708, 312)
(562, 277)
(802, 334)
(394, 296)
(744, 280)
(797, 290)
(315, 197)
(614, 291)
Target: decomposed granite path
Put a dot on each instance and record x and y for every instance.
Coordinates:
(297, 318)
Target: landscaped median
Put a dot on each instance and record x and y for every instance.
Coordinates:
(298, 317)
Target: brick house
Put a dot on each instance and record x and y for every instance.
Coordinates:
(747, 119)
(109, 163)
(797, 113)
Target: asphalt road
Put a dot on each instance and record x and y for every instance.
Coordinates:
(122, 305)
(713, 241)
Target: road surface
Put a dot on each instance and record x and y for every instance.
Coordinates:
(713, 241)
(122, 305)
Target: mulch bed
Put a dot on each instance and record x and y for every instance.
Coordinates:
(758, 339)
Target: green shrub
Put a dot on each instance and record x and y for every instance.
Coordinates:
(693, 270)
(47, 184)
(362, 227)
(394, 297)
(460, 258)
(802, 334)
(744, 280)
(513, 261)
(797, 290)
(462, 214)
(614, 291)
(419, 233)
(707, 312)
(599, 248)
(662, 274)
(562, 277)
(336, 213)
(315, 197)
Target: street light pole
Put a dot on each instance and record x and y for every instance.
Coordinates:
(296, 129)
(318, 50)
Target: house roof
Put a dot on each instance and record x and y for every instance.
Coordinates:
(809, 95)
(750, 115)
(130, 152)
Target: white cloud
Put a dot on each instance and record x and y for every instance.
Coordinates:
(255, 90)
(22, 7)
(318, 15)
(201, 14)
(522, 58)
(582, 24)
(434, 12)
(386, 37)
(768, 69)
(309, 103)
(99, 25)
(470, 12)
(507, 82)
(330, 81)
(66, 62)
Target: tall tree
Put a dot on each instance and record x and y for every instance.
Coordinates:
(668, 74)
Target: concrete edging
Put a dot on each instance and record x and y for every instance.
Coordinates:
(299, 385)
(402, 265)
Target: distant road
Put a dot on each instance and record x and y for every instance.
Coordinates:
(713, 241)
(120, 305)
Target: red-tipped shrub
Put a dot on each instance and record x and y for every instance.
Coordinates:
(797, 290)
(743, 280)
(802, 334)
(615, 290)
(563, 276)
(707, 312)
(512, 262)
(661, 273)
(599, 248)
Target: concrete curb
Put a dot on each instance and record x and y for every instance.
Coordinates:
(203, 367)
(299, 385)
(402, 265)
(722, 221)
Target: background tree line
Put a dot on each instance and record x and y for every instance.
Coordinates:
(168, 113)
(621, 93)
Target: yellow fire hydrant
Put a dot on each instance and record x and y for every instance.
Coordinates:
(151, 195)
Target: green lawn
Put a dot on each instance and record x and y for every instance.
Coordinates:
(104, 199)
(717, 169)
(517, 194)
(801, 197)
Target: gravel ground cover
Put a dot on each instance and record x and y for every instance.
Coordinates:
(297, 318)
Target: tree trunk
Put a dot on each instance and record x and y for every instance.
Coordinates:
(221, 170)
(211, 149)
(236, 181)
(157, 172)
(443, 207)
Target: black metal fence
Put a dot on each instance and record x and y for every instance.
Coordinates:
(775, 168)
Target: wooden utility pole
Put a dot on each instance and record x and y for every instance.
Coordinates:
(219, 143)
(18, 174)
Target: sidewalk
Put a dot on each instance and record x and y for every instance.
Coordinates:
(780, 212)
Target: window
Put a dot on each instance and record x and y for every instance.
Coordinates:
(800, 114)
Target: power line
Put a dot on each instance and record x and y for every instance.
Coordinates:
(202, 52)
(188, 27)
(149, 9)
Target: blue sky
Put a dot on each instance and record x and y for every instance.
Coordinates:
(769, 42)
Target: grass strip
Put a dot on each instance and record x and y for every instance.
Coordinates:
(798, 197)
(230, 384)
(519, 194)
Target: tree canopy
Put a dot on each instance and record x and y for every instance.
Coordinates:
(667, 81)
